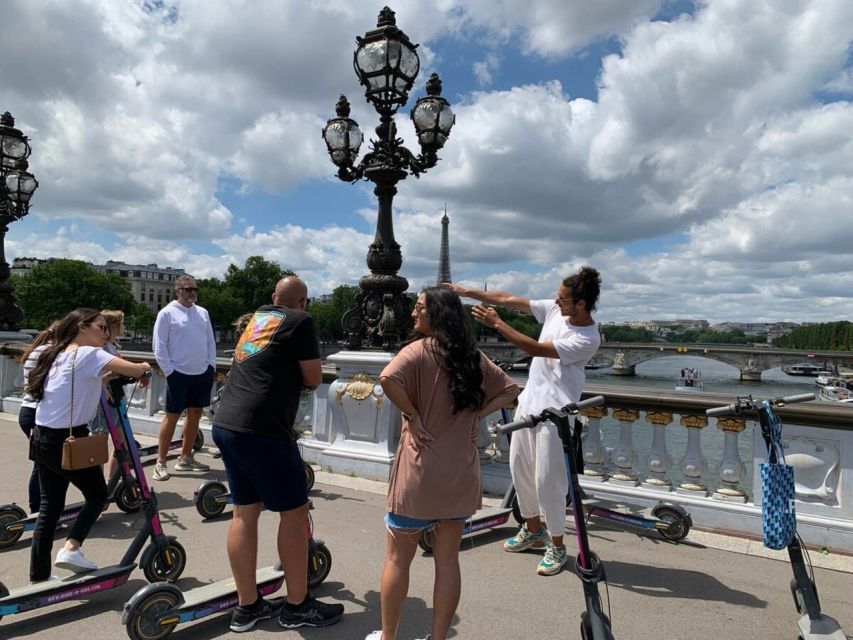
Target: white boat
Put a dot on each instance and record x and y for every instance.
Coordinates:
(690, 380)
(831, 393)
(825, 378)
(803, 369)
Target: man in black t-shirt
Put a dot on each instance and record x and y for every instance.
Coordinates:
(276, 358)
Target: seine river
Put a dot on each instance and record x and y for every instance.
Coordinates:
(661, 373)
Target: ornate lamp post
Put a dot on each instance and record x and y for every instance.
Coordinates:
(17, 186)
(386, 64)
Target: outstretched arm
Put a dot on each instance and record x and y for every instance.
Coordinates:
(490, 318)
(501, 298)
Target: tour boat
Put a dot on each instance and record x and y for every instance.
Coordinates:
(803, 369)
(690, 380)
(831, 393)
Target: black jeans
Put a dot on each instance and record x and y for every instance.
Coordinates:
(27, 421)
(46, 451)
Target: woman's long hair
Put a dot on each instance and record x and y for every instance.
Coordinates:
(63, 335)
(455, 348)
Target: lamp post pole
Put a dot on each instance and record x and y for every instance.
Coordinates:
(387, 64)
(17, 186)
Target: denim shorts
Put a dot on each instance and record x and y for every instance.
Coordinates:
(185, 391)
(396, 521)
(262, 469)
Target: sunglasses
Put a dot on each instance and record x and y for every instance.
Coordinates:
(102, 327)
(190, 288)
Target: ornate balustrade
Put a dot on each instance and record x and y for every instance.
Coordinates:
(641, 447)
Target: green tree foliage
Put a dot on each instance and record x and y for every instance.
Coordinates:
(51, 289)
(621, 333)
(253, 284)
(140, 321)
(221, 303)
(328, 316)
(827, 336)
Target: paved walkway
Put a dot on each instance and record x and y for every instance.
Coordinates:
(708, 586)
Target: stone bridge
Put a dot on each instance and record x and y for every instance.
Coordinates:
(750, 361)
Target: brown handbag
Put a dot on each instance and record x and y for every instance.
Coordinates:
(85, 452)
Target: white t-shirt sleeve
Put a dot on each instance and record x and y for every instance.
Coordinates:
(91, 362)
(540, 309)
(578, 347)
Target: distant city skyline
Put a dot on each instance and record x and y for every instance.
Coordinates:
(693, 152)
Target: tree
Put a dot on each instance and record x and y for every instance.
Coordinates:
(221, 303)
(254, 283)
(140, 321)
(51, 289)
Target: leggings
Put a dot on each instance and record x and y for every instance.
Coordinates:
(46, 451)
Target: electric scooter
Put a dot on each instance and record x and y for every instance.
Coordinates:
(122, 487)
(595, 624)
(154, 611)
(670, 520)
(163, 559)
(814, 625)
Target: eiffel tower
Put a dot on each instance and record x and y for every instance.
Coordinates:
(444, 257)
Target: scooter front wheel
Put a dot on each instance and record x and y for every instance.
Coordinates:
(677, 525)
(198, 443)
(9, 514)
(319, 565)
(309, 476)
(166, 565)
(144, 623)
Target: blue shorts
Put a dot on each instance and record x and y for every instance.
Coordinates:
(185, 391)
(395, 521)
(262, 469)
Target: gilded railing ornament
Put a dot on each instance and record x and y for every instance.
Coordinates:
(599, 411)
(694, 422)
(735, 425)
(360, 387)
(626, 415)
(658, 417)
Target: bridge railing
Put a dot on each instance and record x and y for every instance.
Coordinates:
(641, 447)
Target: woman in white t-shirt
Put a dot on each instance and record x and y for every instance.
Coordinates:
(66, 383)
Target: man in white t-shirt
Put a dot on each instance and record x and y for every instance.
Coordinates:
(568, 340)
(185, 350)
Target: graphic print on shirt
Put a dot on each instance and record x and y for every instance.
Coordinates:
(258, 334)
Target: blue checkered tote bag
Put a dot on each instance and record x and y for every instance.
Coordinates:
(778, 516)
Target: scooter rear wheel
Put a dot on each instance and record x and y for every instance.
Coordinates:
(425, 541)
(157, 570)
(206, 502)
(9, 514)
(128, 496)
(309, 476)
(198, 443)
(143, 623)
(319, 565)
(678, 526)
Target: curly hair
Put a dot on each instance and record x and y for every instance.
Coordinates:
(455, 348)
(585, 285)
(63, 335)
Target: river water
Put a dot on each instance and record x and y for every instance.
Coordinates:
(661, 373)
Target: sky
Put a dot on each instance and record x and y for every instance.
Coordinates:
(698, 154)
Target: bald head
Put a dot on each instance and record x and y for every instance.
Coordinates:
(290, 292)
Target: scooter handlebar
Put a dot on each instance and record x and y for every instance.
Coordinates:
(737, 407)
(525, 422)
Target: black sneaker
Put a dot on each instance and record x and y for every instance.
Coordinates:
(311, 613)
(244, 618)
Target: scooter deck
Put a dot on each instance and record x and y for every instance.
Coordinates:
(200, 595)
(72, 581)
(486, 518)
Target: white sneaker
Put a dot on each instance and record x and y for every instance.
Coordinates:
(161, 472)
(190, 464)
(374, 635)
(73, 561)
(51, 578)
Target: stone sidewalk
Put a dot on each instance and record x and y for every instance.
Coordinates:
(707, 586)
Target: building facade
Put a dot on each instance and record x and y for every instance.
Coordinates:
(151, 285)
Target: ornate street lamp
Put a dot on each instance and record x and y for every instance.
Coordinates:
(17, 186)
(386, 64)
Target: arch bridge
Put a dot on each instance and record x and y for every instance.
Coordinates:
(624, 357)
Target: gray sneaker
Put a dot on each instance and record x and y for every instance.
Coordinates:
(160, 471)
(190, 464)
(525, 539)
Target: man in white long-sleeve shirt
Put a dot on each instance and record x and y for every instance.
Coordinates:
(185, 350)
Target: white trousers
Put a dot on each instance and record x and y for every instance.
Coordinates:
(538, 465)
